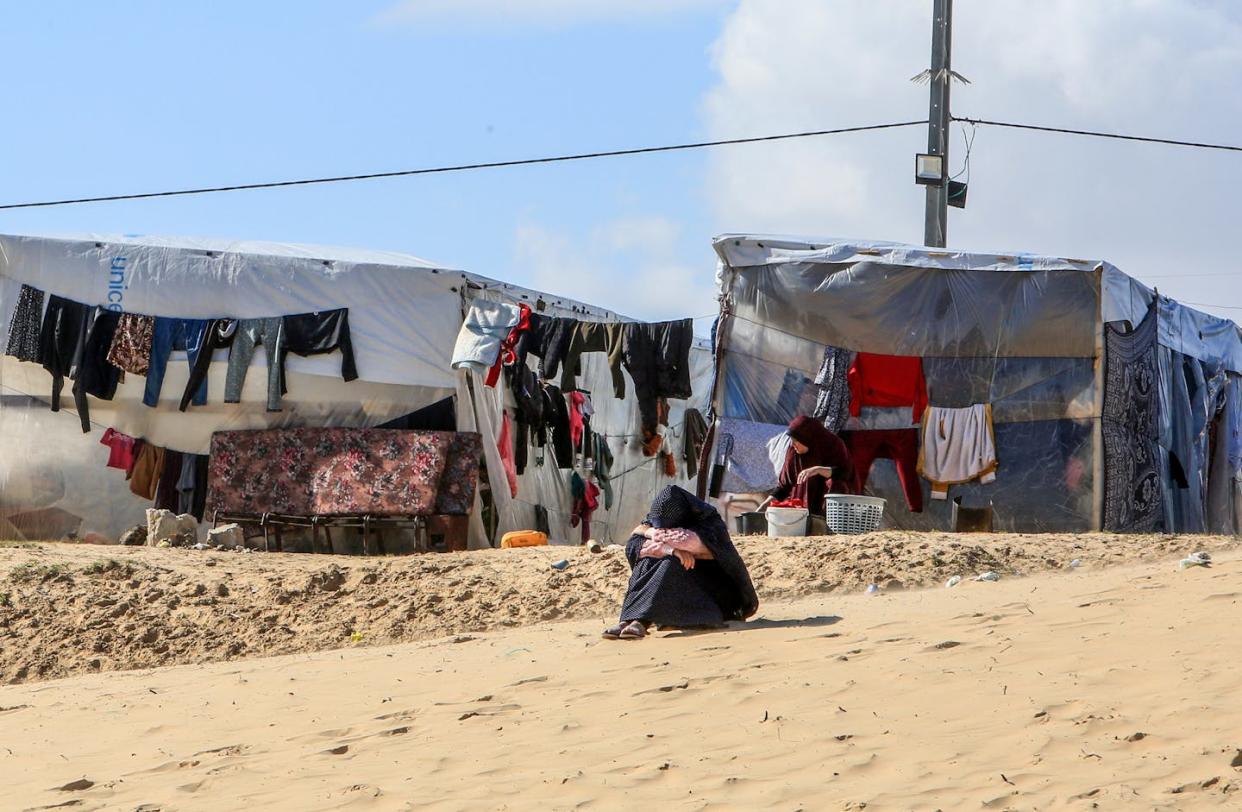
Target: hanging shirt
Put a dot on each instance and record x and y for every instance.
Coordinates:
(888, 380)
(121, 449)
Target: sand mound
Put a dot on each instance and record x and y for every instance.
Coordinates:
(68, 609)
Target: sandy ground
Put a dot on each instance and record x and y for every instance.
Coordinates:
(69, 609)
(1099, 687)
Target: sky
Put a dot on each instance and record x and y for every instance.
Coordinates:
(138, 95)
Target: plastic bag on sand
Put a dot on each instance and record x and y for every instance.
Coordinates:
(988, 576)
(1199, 559)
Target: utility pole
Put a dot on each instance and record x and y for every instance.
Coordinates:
(936, 225)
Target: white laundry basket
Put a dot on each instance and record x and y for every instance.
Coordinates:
(784, 522)
(851, 515)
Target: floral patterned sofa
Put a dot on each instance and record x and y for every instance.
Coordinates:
(328, 473)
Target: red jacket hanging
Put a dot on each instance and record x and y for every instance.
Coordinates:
(888, 380)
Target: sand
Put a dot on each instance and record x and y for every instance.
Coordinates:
(69, 609)
(1098, 687)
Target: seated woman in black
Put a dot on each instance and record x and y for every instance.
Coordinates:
(686, 571)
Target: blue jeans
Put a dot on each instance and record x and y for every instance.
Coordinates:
(171, 335)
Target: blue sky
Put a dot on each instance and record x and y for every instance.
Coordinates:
(138, 96)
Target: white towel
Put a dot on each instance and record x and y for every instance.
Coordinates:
(486, 327)
(958, 446)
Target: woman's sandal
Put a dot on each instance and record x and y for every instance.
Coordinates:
(614, 632)
(634, 630)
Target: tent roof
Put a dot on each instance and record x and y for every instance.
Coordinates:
(741, 250)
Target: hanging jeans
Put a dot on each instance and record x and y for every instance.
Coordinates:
(171, 335)
(249, 334)
(218, 336)
(899, 445)
(62, 341)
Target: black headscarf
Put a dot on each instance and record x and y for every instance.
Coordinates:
(675, 507)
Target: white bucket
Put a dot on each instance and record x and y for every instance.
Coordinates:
(787, 521)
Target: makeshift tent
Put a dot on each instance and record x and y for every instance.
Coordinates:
(1152, 445)
(404, 315)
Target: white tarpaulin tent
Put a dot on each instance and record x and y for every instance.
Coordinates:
(404, 315)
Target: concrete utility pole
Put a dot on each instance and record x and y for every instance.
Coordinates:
(936, 219)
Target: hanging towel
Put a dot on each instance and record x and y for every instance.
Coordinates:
(958, 446)
(485, 329)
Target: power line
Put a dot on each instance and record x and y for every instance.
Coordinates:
(1206, 304)
(1096, 134)
(461, 167)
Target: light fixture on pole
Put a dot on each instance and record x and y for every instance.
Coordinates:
(929, 169)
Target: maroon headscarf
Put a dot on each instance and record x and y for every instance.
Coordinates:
(822, 448)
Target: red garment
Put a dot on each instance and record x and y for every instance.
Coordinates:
(576, 401)
(504, 444)
(888, 380)
(584, 506)
(899, 445)
(508, 352)
(122, 449)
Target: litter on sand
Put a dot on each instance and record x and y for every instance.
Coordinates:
(988, 576)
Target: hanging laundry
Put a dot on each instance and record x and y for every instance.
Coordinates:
(218, 336)
(121, 449)
(887, 380)
(166, 496)
(508, 356)
(26, 325)
(62, 341)
(96, 375)
(596, 336)
(1129, 422)
(483, 332)
(586, 500)
(694, 434)
(131, 344)
(669, 463)
(318, 333)
(504, 444)
(249, 334)
(144, 477)
(171, 335)
(958, 446)
(556, 424)
(185, 484)
(657, 357)
(528, 416)
(553, 339)
(576, 417)
(832, 406)
(899, 445)
(599, 453)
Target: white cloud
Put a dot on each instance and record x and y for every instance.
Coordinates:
(1160, 67)
(538, 13)
(631, 266)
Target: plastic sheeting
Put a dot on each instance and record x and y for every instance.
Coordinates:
(879, 308)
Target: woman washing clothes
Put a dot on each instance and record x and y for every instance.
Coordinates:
(817, 463)
(685, 570)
